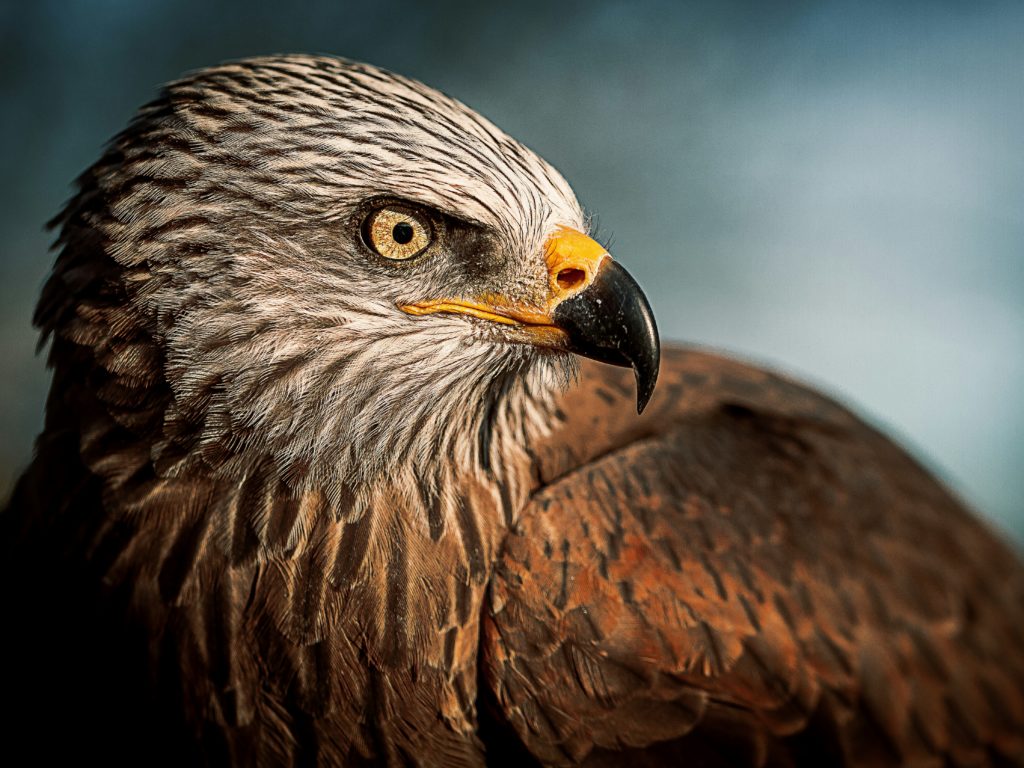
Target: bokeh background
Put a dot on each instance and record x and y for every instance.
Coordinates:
(835, 189)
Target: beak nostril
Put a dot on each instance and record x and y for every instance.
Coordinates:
(570, 278)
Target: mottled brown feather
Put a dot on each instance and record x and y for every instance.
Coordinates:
(748, 546)
(746, 575)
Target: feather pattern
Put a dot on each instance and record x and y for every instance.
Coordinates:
(750, 546)
(272, 520)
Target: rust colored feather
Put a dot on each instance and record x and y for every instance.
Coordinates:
(754, 544)
(746, 575)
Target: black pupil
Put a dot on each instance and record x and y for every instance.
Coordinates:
(402, 232)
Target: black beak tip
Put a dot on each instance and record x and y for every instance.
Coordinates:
(645, 362)
(645, 382)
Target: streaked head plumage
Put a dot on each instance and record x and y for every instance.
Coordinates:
(235, 204)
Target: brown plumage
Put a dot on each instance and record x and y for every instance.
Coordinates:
(274, 518)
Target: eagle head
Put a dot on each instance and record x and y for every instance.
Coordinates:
(345, 270)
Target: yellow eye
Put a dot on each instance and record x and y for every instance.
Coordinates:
(396, 233)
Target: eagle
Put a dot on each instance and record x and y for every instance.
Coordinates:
(353, 456)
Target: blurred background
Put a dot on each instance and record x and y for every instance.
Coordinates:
(835, 189)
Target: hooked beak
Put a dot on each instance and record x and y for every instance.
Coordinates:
(612, 321)
(596, 309)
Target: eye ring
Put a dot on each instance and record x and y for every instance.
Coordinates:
(397, 233)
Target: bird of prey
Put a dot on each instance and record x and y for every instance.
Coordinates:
(342, 465)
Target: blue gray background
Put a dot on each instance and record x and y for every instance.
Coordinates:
(835, 189)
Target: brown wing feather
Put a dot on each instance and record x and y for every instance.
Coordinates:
(749, 575)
